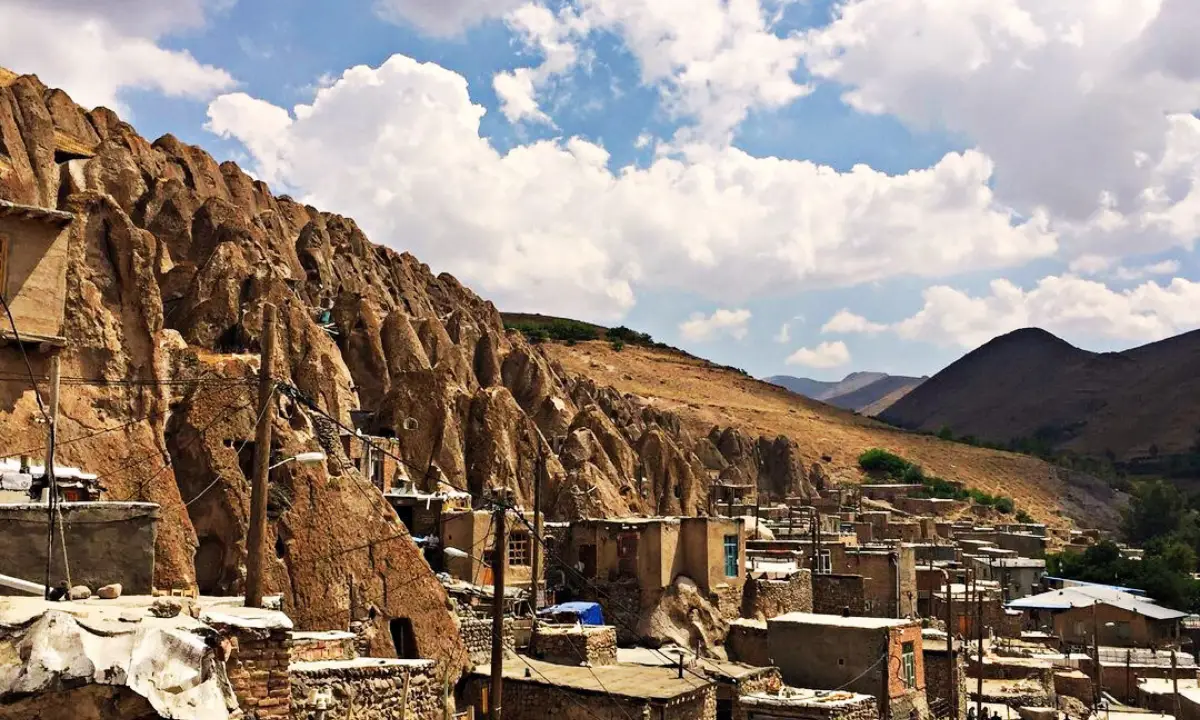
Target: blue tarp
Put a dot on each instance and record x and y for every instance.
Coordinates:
(588, 612)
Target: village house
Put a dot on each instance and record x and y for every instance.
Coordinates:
(34, 247)
(890, 576)
(535, 689)
(1018, 576)
(473, 535)
(881, 657)
(1085, 614)
(626, 565)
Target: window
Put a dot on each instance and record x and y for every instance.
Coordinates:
(627, 554)
(519, 550)
(824, 562)
(731, 556)
(908, 665)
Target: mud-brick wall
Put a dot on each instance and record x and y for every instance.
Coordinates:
(594, 646)
(106, 543)
(313, 646)
(938, 683)
(257, 665)
(768, 598)
(831, 594)
(367, 689)
(747, 643)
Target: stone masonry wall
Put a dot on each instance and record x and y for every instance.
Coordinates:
(769, 598)
(257, 665)
(477, 636)
(363, 691)
(832, 593)
(593, 646)
(937, 684)
(865, 709)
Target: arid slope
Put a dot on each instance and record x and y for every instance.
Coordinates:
(705, 395)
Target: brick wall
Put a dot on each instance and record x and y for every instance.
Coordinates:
(313, 646)
(765, 598)
(257, 665)
(832, 593)
(367, 689)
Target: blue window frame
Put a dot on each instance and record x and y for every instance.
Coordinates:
(731, 556)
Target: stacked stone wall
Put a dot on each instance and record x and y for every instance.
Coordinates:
(766, 599)
(833, 593)
(592, 646)
(476, 634)
(865, 709)
(389, 689)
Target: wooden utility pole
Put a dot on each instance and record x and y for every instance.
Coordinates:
(979, 640)
(950, 646)
(536, 548)
(51, 481)
(1175, 672)
(257, 534)
(1097, 689)
(499, 562)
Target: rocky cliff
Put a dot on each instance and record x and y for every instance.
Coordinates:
(172, 258)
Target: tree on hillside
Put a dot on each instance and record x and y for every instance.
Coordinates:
(1157, 509)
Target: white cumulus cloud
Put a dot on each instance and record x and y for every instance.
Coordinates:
(823, 356)
(1065, 305)
(1085, 106)
(550, 225)
(95, 50)
(845, 322)
(722, 322)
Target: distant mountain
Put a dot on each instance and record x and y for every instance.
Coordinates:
(864, 392)
(1036, 391)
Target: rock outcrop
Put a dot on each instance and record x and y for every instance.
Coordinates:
(172, 259)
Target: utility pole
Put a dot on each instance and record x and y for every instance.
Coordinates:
(536, 548)
(979, 653)
(257, 533)
(51, 481)
(1096, 688)
(499, 562)
(950, 647)
(1175, 671)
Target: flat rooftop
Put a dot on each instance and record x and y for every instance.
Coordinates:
(803, 697)
(869, 623)
(635, 682)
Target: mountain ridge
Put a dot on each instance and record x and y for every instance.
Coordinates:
(864, 392)
(1030, 386)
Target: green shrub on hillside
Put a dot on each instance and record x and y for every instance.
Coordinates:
(882, 462)
(554, 329)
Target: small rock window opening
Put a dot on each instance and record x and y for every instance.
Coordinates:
(519, 550)
(280, 547)
(403, 638)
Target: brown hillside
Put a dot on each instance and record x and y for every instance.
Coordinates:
(705, 395)
(1126, 405)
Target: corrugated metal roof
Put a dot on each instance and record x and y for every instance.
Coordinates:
(1086, 596)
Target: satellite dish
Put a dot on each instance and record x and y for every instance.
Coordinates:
(411, 424)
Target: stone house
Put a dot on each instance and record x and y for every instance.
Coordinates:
(534, 690)
(473, 533)
(627, 564)
(890, 576)
(882, 657)
(1018, 577)
(1078, 615)
(966, 607)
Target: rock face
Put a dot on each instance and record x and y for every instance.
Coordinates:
(172, 259)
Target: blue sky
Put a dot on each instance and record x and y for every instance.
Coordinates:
(787, 186)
